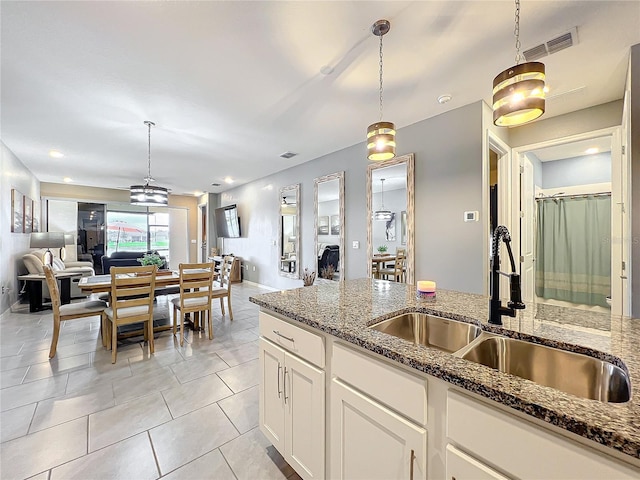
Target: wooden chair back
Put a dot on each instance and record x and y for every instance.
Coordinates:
(225, 273)
(195, 286)
(133, 287)
(401, 255)
(54, 292)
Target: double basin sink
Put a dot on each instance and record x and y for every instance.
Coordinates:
(570, 372)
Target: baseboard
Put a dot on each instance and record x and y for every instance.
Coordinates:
(255, 284)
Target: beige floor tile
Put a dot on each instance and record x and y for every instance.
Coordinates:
(195, 394)
(242, 409)
(23, 360)
(24, 394)
(13, 377)
(35, 453)
(15, 423)
(213, 463)
(252, 456)
(191, 436)
(241, 377)
(40, 476)
(144, 362)
(240, 354)
(97, 375)
(9, 349)
(45, 344)
(198, 366)
(55, 411)
(127, 389)
(129, 459)
(58, 365)
(78, 348)
(123, 421)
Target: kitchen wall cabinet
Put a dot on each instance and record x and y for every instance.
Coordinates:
(292, 403)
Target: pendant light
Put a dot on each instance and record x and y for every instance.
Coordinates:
(382, 214)
(148, 195)
(381, 136)
(518, 92)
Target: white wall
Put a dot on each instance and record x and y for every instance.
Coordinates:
(13, 174)
(581, 170)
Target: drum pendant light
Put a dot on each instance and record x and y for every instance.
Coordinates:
(518, 92)
(382, 214)
(148, 195)
(381, 136)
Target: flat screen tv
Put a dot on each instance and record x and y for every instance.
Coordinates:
(227, 222)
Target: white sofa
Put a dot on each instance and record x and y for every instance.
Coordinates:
(34, 263)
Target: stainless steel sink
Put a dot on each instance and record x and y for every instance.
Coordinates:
(573, 373)
(441, 333)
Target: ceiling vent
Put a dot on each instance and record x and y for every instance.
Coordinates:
(288, 154)
(559, 42)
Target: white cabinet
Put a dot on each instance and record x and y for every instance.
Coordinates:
(370, 441)
(520, 448)
(292, 409)
(461, 466)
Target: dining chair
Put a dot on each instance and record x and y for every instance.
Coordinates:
(397, 270)
(196, 283)
(69, 311)
(222, 287)
(132, 291)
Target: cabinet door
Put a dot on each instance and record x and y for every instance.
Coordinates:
(304, 418)
(272, 393)
(461, 466)
(369, 441)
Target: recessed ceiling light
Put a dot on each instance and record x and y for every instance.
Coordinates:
(444, 98)
(591, 151)
(67, 180)
(197, 193)
(55, 154)
(326, 70)
(228, 180)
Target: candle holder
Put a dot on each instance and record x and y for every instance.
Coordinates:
(426, 290)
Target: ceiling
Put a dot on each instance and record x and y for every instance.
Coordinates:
(232, 85)
(572, 149)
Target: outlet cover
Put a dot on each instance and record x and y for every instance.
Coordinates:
(471, 216)
(356, 244)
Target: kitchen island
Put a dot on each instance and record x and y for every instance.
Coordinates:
(342, 312)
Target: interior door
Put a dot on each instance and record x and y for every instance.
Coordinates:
(527, 230)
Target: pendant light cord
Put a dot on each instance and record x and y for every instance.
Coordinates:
(149, 178)
(381, 77)
(516, 32)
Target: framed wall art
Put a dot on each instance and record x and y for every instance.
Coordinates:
(17, 211)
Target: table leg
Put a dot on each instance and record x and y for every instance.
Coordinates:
(35, 295)
(65, 290)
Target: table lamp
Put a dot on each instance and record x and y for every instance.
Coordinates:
(47, 240)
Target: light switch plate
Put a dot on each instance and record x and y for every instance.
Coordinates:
(356, 244)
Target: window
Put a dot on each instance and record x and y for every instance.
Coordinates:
(138, 232)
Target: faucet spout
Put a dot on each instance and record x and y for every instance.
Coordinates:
(496, 310)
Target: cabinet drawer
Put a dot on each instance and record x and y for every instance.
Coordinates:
(403, 392)
(523, 449)
(292, 338)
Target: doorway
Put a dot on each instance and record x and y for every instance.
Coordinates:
(571, 218)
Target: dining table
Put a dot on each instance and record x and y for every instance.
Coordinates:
(164, 280)
(379, 261)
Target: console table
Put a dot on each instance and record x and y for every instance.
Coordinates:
(34, 288)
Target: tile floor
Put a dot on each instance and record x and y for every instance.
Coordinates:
(182, 413)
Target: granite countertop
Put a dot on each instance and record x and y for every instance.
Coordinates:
(345, 309)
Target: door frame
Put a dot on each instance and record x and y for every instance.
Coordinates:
(620, 240)
(505, 192)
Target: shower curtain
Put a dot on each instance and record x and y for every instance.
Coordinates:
(573, 249)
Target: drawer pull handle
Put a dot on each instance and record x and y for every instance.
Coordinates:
(411, 465)
(285, 384)
(279, 391)
(280, 335)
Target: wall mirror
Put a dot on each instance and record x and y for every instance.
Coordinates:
(329, 226)
(390, 214)
(289, 238)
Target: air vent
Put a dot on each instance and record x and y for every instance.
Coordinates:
(215, 184)
(288, 154)
(559, 42)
